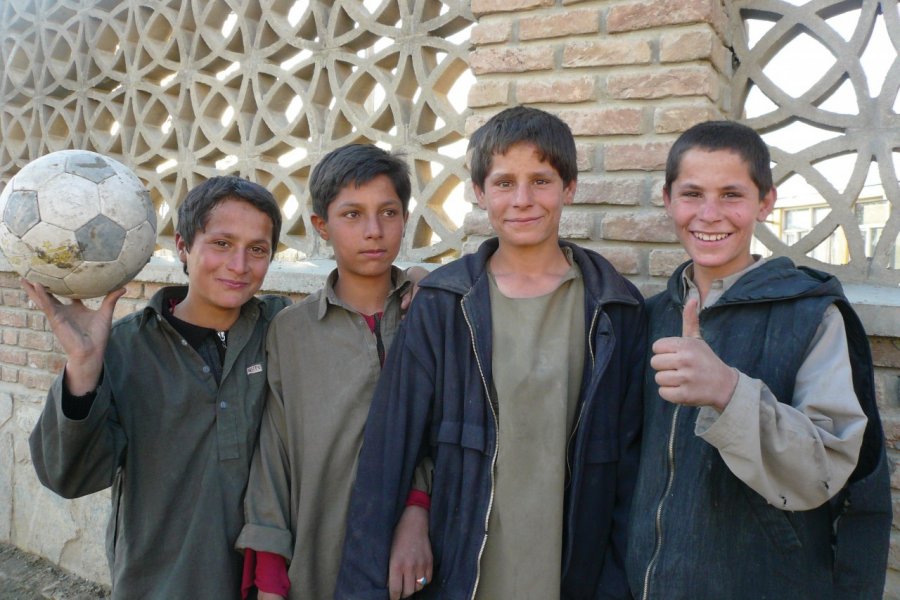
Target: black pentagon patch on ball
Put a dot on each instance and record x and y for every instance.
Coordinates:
(90, 166)
(21, 212)
(100, 239)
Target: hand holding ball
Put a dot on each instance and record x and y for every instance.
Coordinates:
(77, 222)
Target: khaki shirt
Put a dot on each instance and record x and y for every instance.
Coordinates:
(323, 366)
(782, 451)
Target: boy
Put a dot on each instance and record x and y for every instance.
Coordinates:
(755, 409)
(325, 355)
(518, 372)
(165, 404)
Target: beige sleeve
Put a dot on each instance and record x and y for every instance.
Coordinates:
(797, 455)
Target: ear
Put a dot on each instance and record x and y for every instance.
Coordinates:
(767, 205)
(569, 193)
(320, 225)
(181, 247)
(667, 201)
(479, 196)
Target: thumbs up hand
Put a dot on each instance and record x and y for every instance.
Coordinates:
(688, 371)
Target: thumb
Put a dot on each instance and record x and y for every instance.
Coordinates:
(690, 320)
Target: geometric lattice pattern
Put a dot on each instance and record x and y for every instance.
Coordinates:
(820, 81)
(184, 90)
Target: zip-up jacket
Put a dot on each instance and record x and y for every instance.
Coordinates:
(175, 446)
(436, 398)
(698, 532)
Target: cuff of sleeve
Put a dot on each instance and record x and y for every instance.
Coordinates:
(418, 498)
(727, 427)
(271, 574)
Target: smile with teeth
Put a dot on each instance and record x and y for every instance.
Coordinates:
(710, 237)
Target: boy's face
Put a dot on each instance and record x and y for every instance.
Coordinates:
(229, 258)
(365, 227)
(524, 196)
(715, 206)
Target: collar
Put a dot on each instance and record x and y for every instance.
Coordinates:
(328, 297)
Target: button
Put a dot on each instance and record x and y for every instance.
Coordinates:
(184, 342)
(205, 369)
(223, 404)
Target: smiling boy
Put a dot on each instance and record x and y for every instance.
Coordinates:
(757, 411)
(518, 373)
(165, 404)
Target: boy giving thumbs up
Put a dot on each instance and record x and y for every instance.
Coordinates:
(763, 470)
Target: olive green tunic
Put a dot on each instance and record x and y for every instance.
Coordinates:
(537, 362)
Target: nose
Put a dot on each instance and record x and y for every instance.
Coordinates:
(522, 196)
(709, 210)
(373, 227)
(238, 262)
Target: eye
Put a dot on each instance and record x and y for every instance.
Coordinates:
(259, 251)
(542, 181)
(351, 214)
(221, 243)
(391, 212)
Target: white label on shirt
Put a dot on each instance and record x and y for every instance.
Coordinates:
(257, 368)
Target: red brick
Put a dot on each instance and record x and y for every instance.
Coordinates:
(662, 263)
(35, 340)
(885, 352)
(10, 337)
(606, 52)
(604, 121)
(37, 380)
(489, 93)
(575, 225)
(655, 13)
(676, 119)
(640, 157)
(573, 22)
(482, 7)
(476, 223)
(493, 32)
(623, 192)
(585, 156)
(9, 374)
(134, 289)
(13, 318)
(686, 46)
(511, 60)
(637, 227)
(577, 89)
(626, 259)
(13, 356)
(14, 298)
(687, 81)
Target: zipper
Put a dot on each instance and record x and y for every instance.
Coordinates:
(581, 412)
(659, 508)
(487, 392)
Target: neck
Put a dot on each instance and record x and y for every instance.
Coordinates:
(211, 317)
(366, 295)
(527, 274)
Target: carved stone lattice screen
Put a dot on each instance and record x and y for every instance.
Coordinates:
(819, 79)
(184, 90)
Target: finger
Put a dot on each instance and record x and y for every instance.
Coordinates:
(690, 319)
(109, 301)
(395, 584)
(38, 295)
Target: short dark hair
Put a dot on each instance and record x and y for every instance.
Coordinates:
(195, 209)
(519, 124)
(724, 135)
(356, 164)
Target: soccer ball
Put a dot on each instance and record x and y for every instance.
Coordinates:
(77, 222)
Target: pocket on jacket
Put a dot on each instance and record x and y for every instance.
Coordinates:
(466, 435)
(775, 523)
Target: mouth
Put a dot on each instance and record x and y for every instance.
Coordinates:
(710, 237)
(373, 253)
(232, 284)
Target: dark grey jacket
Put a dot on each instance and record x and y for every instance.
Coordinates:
(175, 447)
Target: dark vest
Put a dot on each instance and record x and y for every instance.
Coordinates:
(720, 539)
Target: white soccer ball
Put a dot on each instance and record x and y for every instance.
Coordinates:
(77, 222)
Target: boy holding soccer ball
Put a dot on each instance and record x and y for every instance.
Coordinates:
(165, 404)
